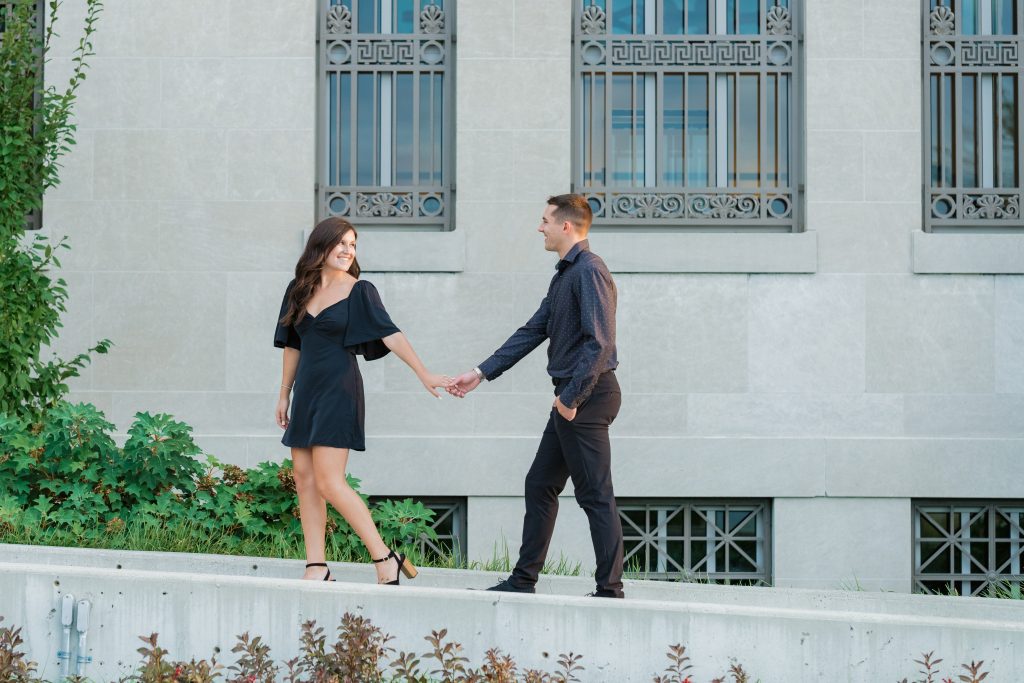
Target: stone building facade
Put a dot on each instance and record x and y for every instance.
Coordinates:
(797, 393)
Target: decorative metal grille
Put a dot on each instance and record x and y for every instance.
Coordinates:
(972, 121)
(686, 112)
(385, 134)
(967, 548)
(717, 541)
(450, 526)
(34, 220)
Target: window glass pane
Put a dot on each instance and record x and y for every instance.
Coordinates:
(587, 115)
(969, 17)
(437, 99)
(621, 16)
(1008, 17)
(672, 18)
(783, 127)
(697, 130)
(934, 114)
(404, 17)
(948, 123)
(403, 129)
(333, 124)
(748, 138)
(600, 125)
(368, 20)
(640, 130)
(426, 130)
(366, 140)
(697, 17)
(339, 129)
(1008, 113)
(624, 109)
(750, 16)
(594, 129)
(970, 132)
(672, 130)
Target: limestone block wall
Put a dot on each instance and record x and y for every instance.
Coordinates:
(841, 394)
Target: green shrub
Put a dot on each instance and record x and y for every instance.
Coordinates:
(36, 130)
(66, 475)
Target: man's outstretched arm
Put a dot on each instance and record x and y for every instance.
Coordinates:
(525, 339)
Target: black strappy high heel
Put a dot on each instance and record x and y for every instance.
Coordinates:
(404, 565)
(327, 576)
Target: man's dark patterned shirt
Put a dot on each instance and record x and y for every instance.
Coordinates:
(578, 316)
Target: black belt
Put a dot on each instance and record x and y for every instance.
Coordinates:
(558, 381)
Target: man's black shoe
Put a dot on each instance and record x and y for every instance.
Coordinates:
(505, 586)
(605, 594)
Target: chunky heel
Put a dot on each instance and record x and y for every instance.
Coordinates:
(404, 566)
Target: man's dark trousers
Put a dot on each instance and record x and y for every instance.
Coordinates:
(579, 449)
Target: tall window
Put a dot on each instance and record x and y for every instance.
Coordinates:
(686, 112)
(969, 548)
(972, 94)
(717, 541)
(385, 150)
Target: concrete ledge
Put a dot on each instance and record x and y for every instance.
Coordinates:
(702, 252)
(968, 253)
(386, 251)
(694, 466)
(776, 634)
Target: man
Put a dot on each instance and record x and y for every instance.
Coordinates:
(578, 317)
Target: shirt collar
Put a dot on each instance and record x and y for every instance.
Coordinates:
(570, 256)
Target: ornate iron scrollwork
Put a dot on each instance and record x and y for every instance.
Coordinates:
(779, 21)
(339, 19)
(593, 21)
(384, 204)
(431, 19)
(991, 206)
(942, 21)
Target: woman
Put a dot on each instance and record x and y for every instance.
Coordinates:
(328, 316)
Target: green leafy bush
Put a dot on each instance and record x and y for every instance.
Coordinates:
(36, 130)
(66, 474)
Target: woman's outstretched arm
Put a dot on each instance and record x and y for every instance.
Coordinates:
(403, 349)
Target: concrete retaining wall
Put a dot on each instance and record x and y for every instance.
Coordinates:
(777, 634)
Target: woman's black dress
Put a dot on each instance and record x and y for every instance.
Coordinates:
(327, 400)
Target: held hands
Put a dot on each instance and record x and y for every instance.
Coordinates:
(568, 413)
(431, 382)
(463, 384)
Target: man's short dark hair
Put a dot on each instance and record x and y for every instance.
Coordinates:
(573, 208)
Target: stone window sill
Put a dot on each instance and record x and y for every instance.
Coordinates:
(969, 253)
(395, 251)
(706, 252)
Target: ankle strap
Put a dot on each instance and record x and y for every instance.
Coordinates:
(391, 553)
(315, 564)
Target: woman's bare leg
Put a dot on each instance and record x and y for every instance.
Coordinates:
(312, 511)
(329, 466)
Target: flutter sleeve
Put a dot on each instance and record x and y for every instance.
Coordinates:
(368, 322)
(285, 335)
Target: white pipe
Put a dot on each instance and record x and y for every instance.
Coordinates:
(67, 614)
(82, 625)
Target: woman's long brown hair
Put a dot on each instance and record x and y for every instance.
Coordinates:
(324, 238)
